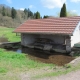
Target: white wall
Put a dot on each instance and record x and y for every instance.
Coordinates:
(76, 35)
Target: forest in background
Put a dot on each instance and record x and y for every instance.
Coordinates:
(10, 17)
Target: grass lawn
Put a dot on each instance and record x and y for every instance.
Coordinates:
(14, 63)
(8, 33)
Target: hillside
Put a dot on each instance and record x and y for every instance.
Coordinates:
(10, 17)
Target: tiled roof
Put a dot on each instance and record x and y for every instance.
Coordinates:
(64, 25)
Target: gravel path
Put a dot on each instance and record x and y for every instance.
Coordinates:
(71, 76)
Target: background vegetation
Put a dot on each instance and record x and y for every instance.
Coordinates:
(63, 11)
(10, 17)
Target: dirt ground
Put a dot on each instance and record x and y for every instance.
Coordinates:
(59, 59)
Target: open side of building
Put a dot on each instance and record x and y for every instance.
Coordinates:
(59, 34)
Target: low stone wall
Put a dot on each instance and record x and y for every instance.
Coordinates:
(10, 44)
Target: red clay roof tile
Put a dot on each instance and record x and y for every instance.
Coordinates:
(64, 25)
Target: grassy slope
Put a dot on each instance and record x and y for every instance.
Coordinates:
(8, 33)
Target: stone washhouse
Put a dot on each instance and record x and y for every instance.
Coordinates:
(58, 34)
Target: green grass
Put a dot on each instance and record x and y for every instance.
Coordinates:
(13, 61)
(3, 70)
(8, 33)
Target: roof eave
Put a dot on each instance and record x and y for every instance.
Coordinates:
(47, 33)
